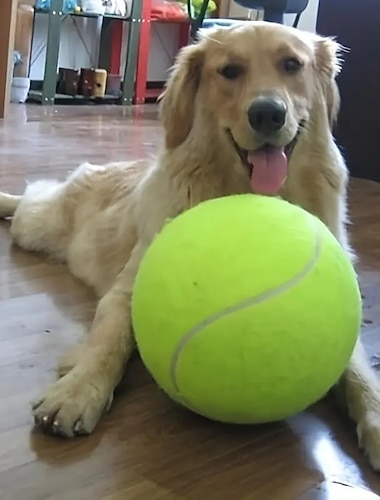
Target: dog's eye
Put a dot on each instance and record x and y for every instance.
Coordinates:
(291, 65)
(231, 71)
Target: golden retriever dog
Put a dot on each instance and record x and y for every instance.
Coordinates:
(248, 108)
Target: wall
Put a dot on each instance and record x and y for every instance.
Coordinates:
(308, 21)
(79, 42)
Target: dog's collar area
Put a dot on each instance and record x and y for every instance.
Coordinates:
(243, 153)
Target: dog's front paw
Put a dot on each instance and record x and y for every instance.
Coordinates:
(73, 405)
(368, 432)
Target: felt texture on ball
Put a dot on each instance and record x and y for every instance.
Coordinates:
(246, 309)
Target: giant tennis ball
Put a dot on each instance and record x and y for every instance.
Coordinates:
(246, 309)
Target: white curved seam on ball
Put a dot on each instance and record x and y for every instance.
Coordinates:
(251, 301)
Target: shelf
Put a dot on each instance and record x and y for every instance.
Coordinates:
(153, 93)
(112, 16)
(133, 89)
(171, 21)
(36, 96)
(85, 14)
(47, 95)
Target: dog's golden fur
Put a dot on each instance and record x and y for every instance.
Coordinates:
(102, 218)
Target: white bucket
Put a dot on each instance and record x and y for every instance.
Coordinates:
(19, 89)
(93, 7)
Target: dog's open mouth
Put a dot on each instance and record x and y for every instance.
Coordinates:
(268, 165)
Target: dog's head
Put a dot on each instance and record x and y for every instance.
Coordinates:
(261, 84)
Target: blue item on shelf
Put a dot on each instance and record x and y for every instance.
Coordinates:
(68, 5)
(43, 4)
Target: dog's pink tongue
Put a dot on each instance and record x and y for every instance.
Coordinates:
(270, 168)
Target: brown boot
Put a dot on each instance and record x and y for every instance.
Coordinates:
(68, 81)
(87, 82)
(99, 89)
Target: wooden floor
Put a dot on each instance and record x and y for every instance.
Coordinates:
(146, 448)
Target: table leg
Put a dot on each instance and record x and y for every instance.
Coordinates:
(8, 10)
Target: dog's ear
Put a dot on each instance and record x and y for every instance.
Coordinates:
(328, 63)
(178, 100)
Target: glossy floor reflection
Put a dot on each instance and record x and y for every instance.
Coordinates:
(146, 447)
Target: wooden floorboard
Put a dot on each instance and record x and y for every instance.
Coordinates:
(146, 447)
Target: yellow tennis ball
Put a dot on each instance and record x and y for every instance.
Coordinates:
(246, 309)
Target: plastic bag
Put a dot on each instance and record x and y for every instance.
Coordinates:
(169, 11)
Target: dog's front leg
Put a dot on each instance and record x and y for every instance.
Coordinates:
(361, 390)
(74, 404)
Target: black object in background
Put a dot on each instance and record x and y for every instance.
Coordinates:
(356, 24)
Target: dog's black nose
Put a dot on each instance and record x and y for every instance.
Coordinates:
(267, 114)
